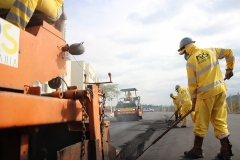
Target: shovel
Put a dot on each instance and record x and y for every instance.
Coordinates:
(173, 114)
(140, 152)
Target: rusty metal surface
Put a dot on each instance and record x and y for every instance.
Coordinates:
(77, 94)
(94, 117)
(40, 58)
(22, 110)
(72, 152)
(94, 151)
(109, 151)
(70, 94)
(32, 90)
(55, 94)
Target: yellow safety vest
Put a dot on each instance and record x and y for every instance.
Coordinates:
(204, 74)
(183, 96)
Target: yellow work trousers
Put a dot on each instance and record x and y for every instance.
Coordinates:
(193, 116)
(185, 108)
(212, 109)
(175, 108)
(180, 111)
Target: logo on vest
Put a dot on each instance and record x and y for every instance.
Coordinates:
(203, 57)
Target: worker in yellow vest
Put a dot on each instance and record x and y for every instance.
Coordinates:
(176, 106)
(208, 94)
(184, 100)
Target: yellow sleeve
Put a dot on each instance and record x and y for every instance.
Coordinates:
(228, 55)
(50, 7)
(6, 4)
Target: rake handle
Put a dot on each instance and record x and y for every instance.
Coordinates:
(174, 124)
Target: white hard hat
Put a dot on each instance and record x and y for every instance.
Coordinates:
(185, 41)
(176, 87)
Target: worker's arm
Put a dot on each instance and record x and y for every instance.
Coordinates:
(228, 55)
(230, 60)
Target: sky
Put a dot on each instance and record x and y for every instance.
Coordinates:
(137, 41)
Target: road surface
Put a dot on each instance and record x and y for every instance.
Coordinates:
(131, 137)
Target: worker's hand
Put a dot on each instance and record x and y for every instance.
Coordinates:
(193, 106)
(228, 74)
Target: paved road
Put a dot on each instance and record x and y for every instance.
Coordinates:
(126, 137)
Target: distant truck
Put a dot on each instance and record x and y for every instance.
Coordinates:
(148, 110)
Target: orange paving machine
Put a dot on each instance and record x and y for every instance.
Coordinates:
(61, 125)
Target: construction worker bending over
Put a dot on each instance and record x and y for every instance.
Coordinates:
(176, 107)
(184, 100)
(21, 11)
(208, 94)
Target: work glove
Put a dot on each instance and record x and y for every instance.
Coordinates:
(228, 74)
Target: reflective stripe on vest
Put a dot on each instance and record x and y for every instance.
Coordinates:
(192, 79)
(191, 66)
(209, 86)
(193, 96)
(206, 68)
(221, 54)
(199, 73)
(214, 52)
(230, 59)
(23, 8)
(13, 17)
(16, 18)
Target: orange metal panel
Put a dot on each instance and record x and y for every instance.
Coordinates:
(51, 29)
(94, 116)
(40, 58)
(17, 110)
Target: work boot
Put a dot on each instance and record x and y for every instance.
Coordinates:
(226, 149)
(184, 125)
(196, 151)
